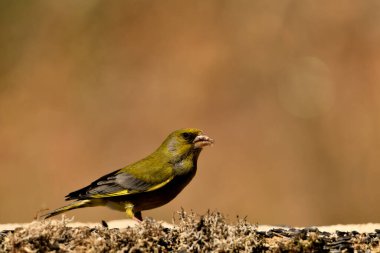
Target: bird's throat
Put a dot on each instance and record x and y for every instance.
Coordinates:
(187, 164)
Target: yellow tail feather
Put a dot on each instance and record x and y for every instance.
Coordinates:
(74, 205)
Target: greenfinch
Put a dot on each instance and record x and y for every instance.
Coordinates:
(149, 183)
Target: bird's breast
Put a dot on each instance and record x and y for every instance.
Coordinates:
(152, 199)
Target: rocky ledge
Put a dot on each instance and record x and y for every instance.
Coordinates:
(192, 233)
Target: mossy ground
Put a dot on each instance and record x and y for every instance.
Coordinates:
(192, 233)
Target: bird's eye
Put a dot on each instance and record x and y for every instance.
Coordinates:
(188, 136)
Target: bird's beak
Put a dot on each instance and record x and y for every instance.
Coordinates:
(202, 141)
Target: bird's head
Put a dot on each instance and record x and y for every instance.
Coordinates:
(186, 141)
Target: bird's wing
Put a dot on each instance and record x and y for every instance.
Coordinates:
(125, 182)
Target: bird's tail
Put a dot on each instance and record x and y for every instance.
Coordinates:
(74, 205)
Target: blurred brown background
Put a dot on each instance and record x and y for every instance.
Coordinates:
(289, 90)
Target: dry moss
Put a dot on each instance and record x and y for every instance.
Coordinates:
(193, 233)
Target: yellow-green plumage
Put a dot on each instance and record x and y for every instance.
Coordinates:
(148, 183)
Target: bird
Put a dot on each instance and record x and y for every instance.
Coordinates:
(148, 183)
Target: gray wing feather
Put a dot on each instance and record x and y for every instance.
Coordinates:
(111, 183)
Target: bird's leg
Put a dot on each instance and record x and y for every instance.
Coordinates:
(138, 215)
(130, 214)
